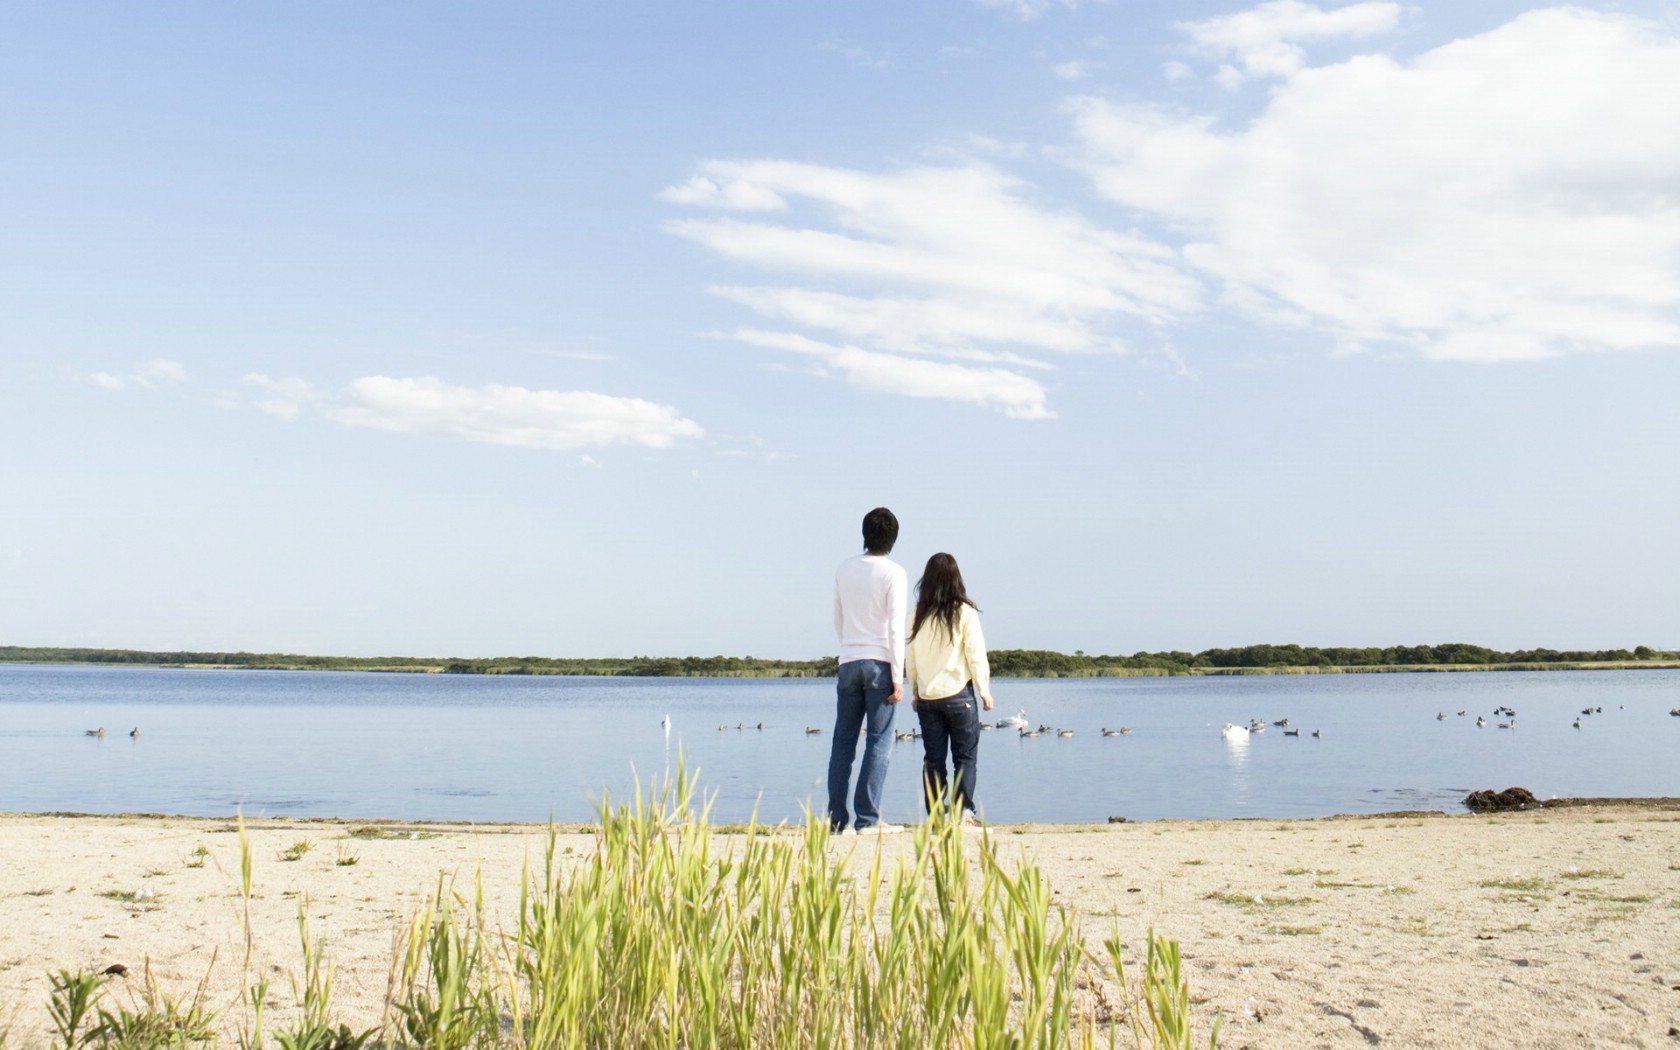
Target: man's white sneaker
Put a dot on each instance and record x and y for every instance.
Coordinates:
(885, 829)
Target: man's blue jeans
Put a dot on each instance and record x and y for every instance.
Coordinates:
(864, 692)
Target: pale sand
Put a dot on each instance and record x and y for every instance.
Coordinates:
(1558, 928)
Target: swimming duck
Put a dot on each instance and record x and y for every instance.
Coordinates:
(96, 732)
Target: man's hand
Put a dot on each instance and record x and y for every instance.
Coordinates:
(897, 694)
(985, 701)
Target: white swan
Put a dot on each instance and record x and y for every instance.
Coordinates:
(1018, 720)
(1234, 732)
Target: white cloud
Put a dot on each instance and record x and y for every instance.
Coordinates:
(998, 389)
(281, 398)
(1075, 69)
(937, 262)
(1267, 39)
(493, 414)
(931, 327)
(1028, 10)
(1510, 195)
(731, 195)
(149, 375)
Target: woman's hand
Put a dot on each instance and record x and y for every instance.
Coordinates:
(985, 701)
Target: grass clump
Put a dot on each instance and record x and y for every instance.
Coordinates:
(1615, 898)
(1517, 884)
(1258, 900)
(1592, 873)
(154, 1020)
(654, 941)
(297, 850)
(380, 831)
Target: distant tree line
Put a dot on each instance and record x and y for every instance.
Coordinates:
(651, 667)
(1007, 663)
(1041, 663)
(643, 666)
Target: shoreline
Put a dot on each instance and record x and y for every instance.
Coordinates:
(1558, 926)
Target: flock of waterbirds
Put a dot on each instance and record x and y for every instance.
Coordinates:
(1017, 721)
(1509, 714)
(1023, 728)
(1232, 731)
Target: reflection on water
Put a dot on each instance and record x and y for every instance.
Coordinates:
(531, 749)
(1236, 757)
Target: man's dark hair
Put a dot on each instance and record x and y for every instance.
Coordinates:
(880, 531)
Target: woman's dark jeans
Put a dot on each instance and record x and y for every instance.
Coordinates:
(950, 724)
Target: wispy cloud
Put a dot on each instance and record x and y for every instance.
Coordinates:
(1509, 195)
(999, 389)
(1029, 10)
(951, 262)
(1075, 69)
(150, 375)
(1268, 40)
(492, 414)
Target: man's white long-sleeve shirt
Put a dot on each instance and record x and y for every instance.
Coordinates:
(871, 597)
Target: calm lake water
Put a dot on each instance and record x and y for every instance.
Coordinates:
(413, 747)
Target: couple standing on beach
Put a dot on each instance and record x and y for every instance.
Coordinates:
(942, 666)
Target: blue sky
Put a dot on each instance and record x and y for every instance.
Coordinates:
(590, 330)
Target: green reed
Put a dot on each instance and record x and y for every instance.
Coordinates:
(654, 941)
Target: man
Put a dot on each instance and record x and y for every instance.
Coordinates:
(870, 599)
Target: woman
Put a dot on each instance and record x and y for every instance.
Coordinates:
(945, 667)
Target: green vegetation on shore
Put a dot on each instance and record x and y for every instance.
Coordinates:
(1006, 663)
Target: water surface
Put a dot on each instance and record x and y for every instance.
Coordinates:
(447, 747)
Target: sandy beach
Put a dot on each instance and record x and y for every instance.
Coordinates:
(1550, 928)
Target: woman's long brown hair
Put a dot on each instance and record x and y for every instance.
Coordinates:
(940, 594)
